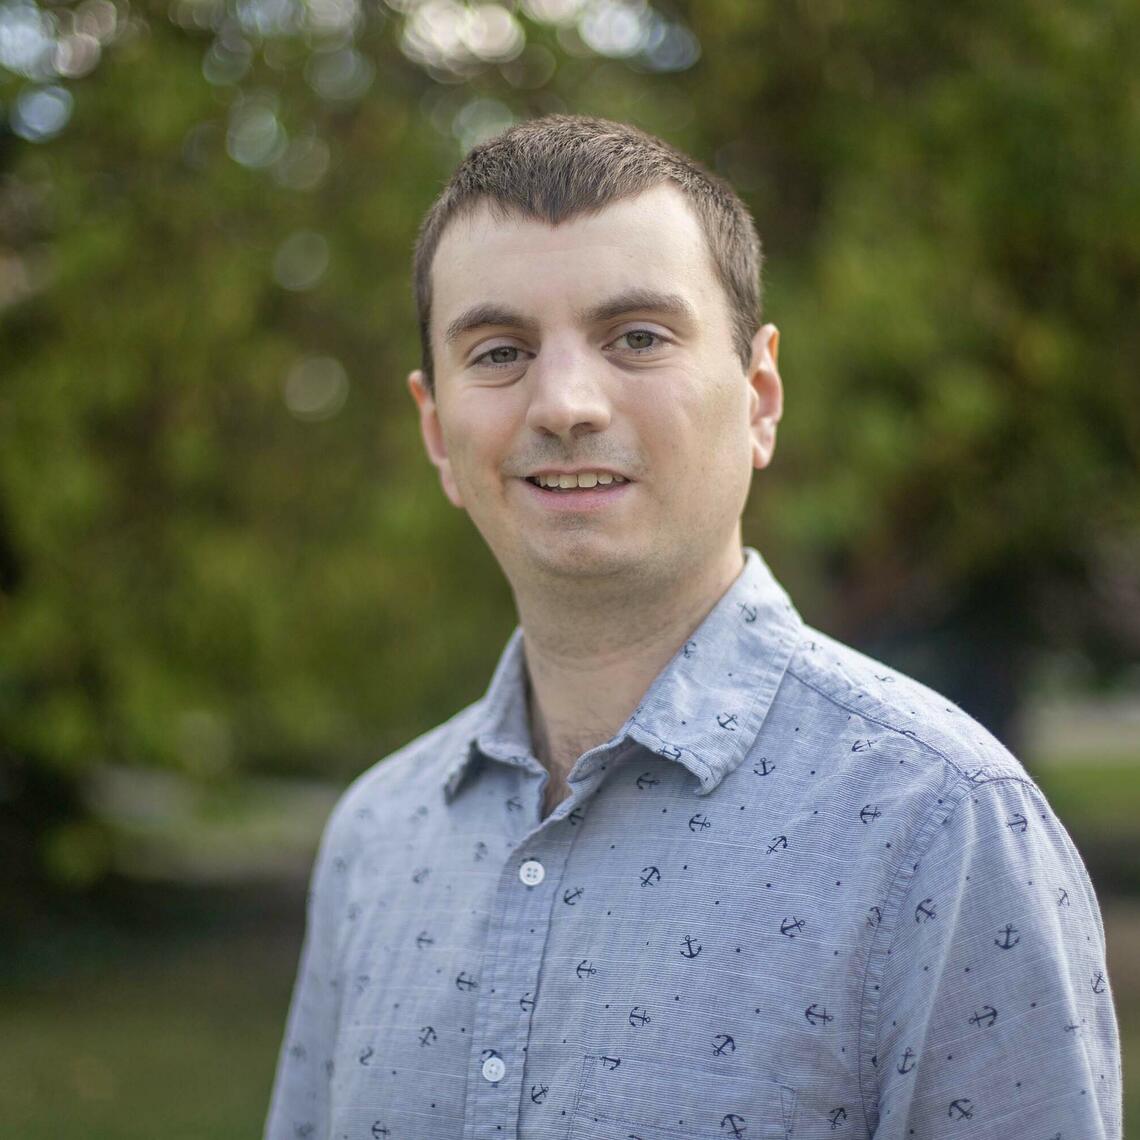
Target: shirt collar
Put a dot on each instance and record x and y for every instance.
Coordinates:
(703, 711)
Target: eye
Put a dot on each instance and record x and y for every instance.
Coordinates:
(639, 340)
(501, 354)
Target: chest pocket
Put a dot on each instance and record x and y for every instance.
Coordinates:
(669, 1098)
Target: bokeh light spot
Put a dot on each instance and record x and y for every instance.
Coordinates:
(316, 388)
(303, 164)
(614, 28)
(301, 260)
(256, 137)
(479, 120)
(339, 76)
(40, 113)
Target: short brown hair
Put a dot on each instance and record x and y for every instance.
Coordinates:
(558, 167)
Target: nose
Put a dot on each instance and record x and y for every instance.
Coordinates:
(568, 395)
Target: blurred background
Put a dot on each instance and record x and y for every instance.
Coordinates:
(224, 558)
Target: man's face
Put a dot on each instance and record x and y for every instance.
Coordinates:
(600, 349)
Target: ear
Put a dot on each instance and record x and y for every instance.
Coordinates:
(432, 432)
(765, 394)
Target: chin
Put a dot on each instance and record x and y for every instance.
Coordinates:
(582, 557)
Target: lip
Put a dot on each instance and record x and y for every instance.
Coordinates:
(579, 501)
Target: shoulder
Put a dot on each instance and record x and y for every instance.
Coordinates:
(909, 717)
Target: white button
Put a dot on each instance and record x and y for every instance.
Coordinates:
(493, 1068)
(532, 872)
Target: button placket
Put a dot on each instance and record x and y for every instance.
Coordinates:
(521, 912)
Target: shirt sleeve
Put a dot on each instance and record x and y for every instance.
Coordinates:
(994, 1012)
(299, 1104)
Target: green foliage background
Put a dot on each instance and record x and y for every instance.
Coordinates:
(191, 577)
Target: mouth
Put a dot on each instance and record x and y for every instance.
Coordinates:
(559, 483)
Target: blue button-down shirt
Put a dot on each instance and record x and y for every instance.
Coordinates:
(796, 895)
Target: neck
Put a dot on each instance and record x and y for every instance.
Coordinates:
(594, 649)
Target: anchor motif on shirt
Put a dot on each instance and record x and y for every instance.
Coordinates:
(689, 951)
(638, 1016)
(514, 804)
(585, 968)
(699, 823)
(572, 895)
(418, 814)
(647, 780)
(1018, 823)
(861, 745)
(1062, 896)
(480, 851)
(526, 1002)
(610, 1063)
(837, 1118)
(1072, 1027)
(791, 926)
(749, 612)
(427, 1035)
(817, 1016)
(298, 1051)
(925, 911)
(886, 678)
(727, 721)
(650, 875)
(726, 1042)
(870, 813)
(424, 939)
(977, 775)
(987, 1017)
(576, 816)
(363, 813)
(1007, 940)
(689, 649)
(538, 1093)
(365, 1054)
(961, 1109)
(874, 917)
(420, 874)
(669, 751)
(765, 768)
(379, 1131)
(361, 983)
(1098, 983)
(464, 981)
(734, 1123)
(907, 1063)
(778, 844)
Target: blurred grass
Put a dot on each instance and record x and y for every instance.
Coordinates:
(167, 1023)
(174, 1033)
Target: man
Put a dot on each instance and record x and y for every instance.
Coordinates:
(689, 869)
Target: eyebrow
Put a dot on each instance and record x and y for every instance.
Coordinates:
(634, 300)
(639, 300)
(481, 316)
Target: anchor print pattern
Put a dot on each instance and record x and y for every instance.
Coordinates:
(795, 896)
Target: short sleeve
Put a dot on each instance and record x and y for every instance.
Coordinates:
(994, 1014)
(299, 1105)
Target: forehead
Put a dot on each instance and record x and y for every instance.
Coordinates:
(652, 240)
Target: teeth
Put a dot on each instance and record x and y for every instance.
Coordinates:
(585, 479)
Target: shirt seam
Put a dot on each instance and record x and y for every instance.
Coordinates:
(940, 813)
(850, 707)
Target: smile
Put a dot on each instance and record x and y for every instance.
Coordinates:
(584, 479)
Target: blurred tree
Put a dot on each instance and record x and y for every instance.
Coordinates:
(220, 547)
